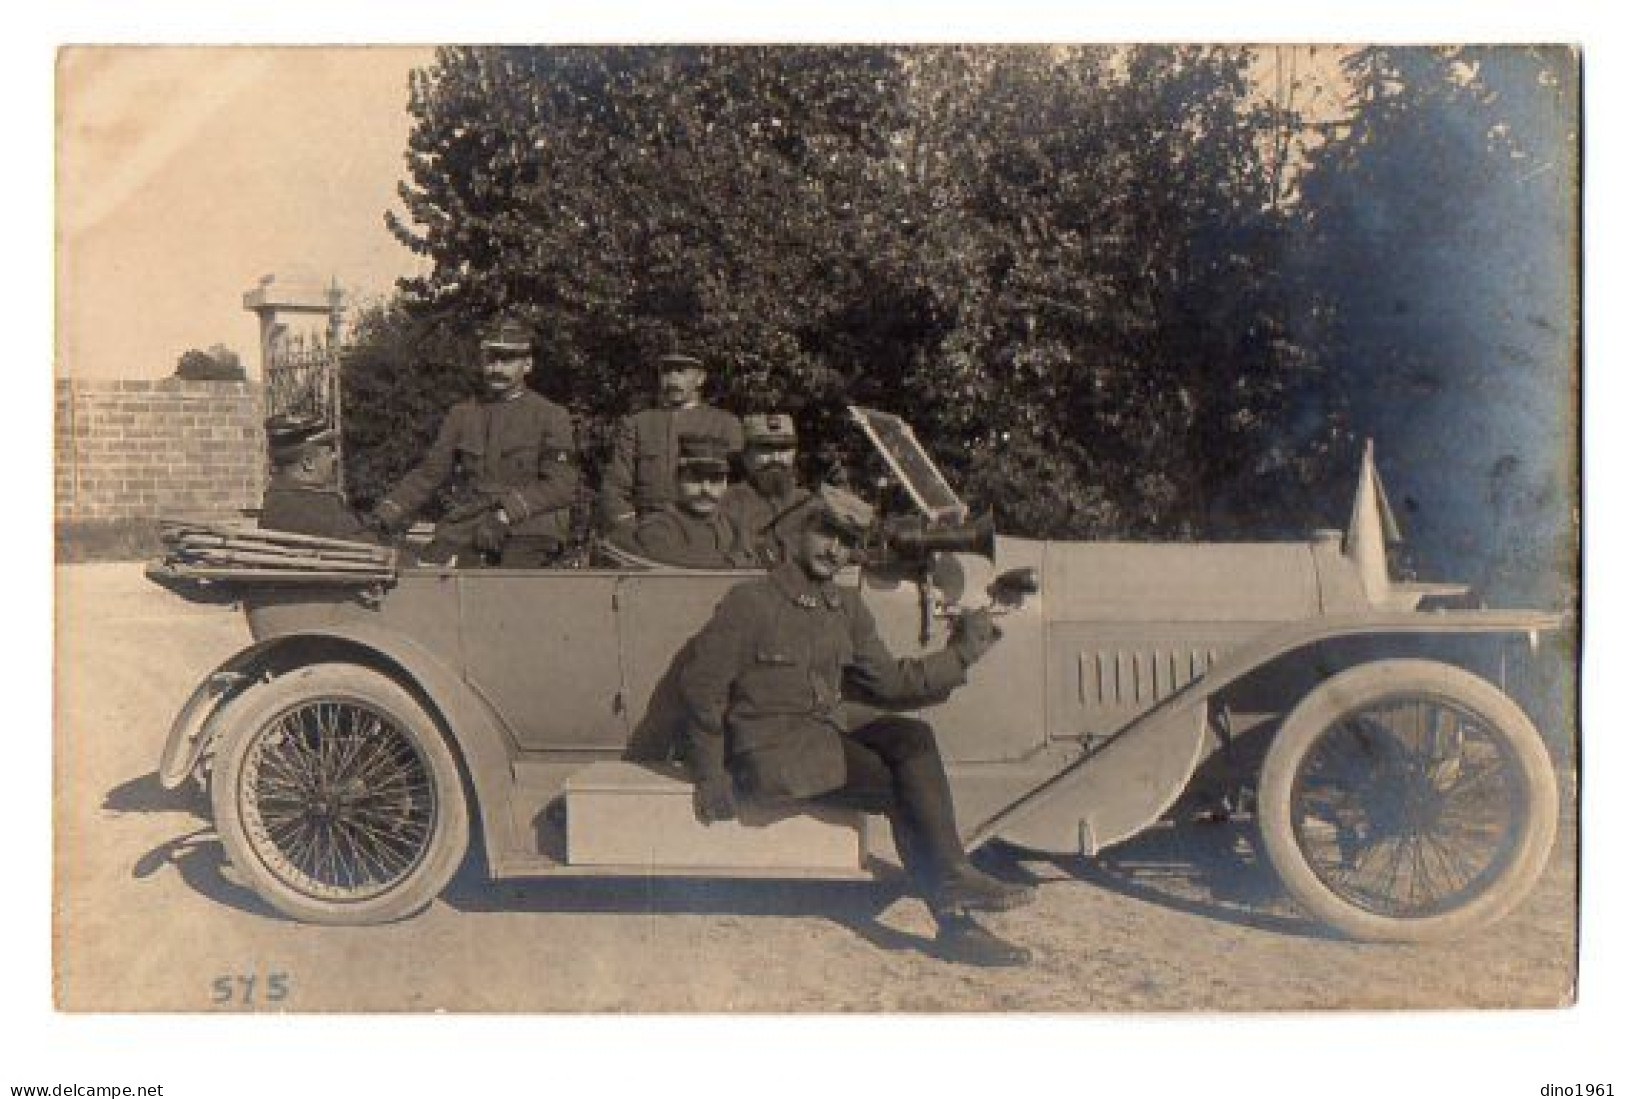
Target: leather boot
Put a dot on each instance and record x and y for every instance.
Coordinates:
(966, 889)
(961, 939)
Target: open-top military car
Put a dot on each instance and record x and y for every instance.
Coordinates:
(387, 711)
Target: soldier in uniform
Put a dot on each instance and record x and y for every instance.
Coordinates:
(642, 473)
(510, 456)
(691, 531)
(762, 690)
(302, 495)
(767, 506)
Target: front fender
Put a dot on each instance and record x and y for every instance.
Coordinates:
(1108, 796)
(1125, 785)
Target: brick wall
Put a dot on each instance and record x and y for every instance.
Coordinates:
(140, 449)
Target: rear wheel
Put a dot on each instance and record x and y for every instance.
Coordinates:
(1407, 800)
(336, 796)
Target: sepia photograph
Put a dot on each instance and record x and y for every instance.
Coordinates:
(816, 528)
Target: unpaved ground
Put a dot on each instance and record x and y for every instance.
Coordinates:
(147, 917)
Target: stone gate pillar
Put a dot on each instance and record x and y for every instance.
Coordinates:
(294, 304)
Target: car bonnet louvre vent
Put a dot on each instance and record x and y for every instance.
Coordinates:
(1134, 677)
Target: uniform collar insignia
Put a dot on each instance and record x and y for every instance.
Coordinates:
(831, 599)
(802, 592)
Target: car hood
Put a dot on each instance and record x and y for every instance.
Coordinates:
(1206, 582)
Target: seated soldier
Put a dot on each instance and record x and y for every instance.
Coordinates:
(767, 507)
(691, 531)
(508, 458)
(763, 692)
(302, 495)
(641, 476)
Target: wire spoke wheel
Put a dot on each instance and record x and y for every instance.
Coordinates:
(337, 796)
(1407, 807)
(1406, 800)
(337, 801)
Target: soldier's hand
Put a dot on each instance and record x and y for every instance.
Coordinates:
(465, 511)
(491, 534)
(388, 519)
(974, 634)
(714, 798)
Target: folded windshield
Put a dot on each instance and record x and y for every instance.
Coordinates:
(909, 462)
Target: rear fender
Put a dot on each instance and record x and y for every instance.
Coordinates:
(477, 736)
(194, 727)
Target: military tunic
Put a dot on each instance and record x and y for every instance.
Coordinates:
(305, 509)
(518, 454)
(675, 537)
(754, 515)
(763, 686)
(642, 472)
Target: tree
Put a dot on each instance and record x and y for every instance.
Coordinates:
(1442, 229)
(1060, 262)
(631, 200)
(401, 371)
(218, 364)
(1116, 360)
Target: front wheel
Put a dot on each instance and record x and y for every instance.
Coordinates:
(336, 796)
(1407, 801)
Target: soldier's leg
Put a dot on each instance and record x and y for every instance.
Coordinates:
(924, 813)
(895, 761)
(452, 544)
(870, 787)
(925, 806)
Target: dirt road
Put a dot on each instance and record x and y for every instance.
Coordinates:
(148, 915)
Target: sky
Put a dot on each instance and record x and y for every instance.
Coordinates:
(186, 174)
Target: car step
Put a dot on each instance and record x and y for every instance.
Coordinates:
(637, 815)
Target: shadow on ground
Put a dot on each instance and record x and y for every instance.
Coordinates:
(197, 855)
(147, 795)
(1215, 870)
(201, 863)
(1212, 870)
(853, 905)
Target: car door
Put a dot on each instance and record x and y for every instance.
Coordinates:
(541, 647)
(660, 611)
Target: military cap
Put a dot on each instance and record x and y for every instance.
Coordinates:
(844, 512)
(769, 429)
(678, 361)
(702, 453)
(507, 334)
(288, 433)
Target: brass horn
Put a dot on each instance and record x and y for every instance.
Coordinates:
(913, 539)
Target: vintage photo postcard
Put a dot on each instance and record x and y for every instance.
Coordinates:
(790, 529)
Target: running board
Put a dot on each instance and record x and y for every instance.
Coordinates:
(640, 818)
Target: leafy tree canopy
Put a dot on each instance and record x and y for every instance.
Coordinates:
(1071, 268)
(218, 364)
(1059, 262)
